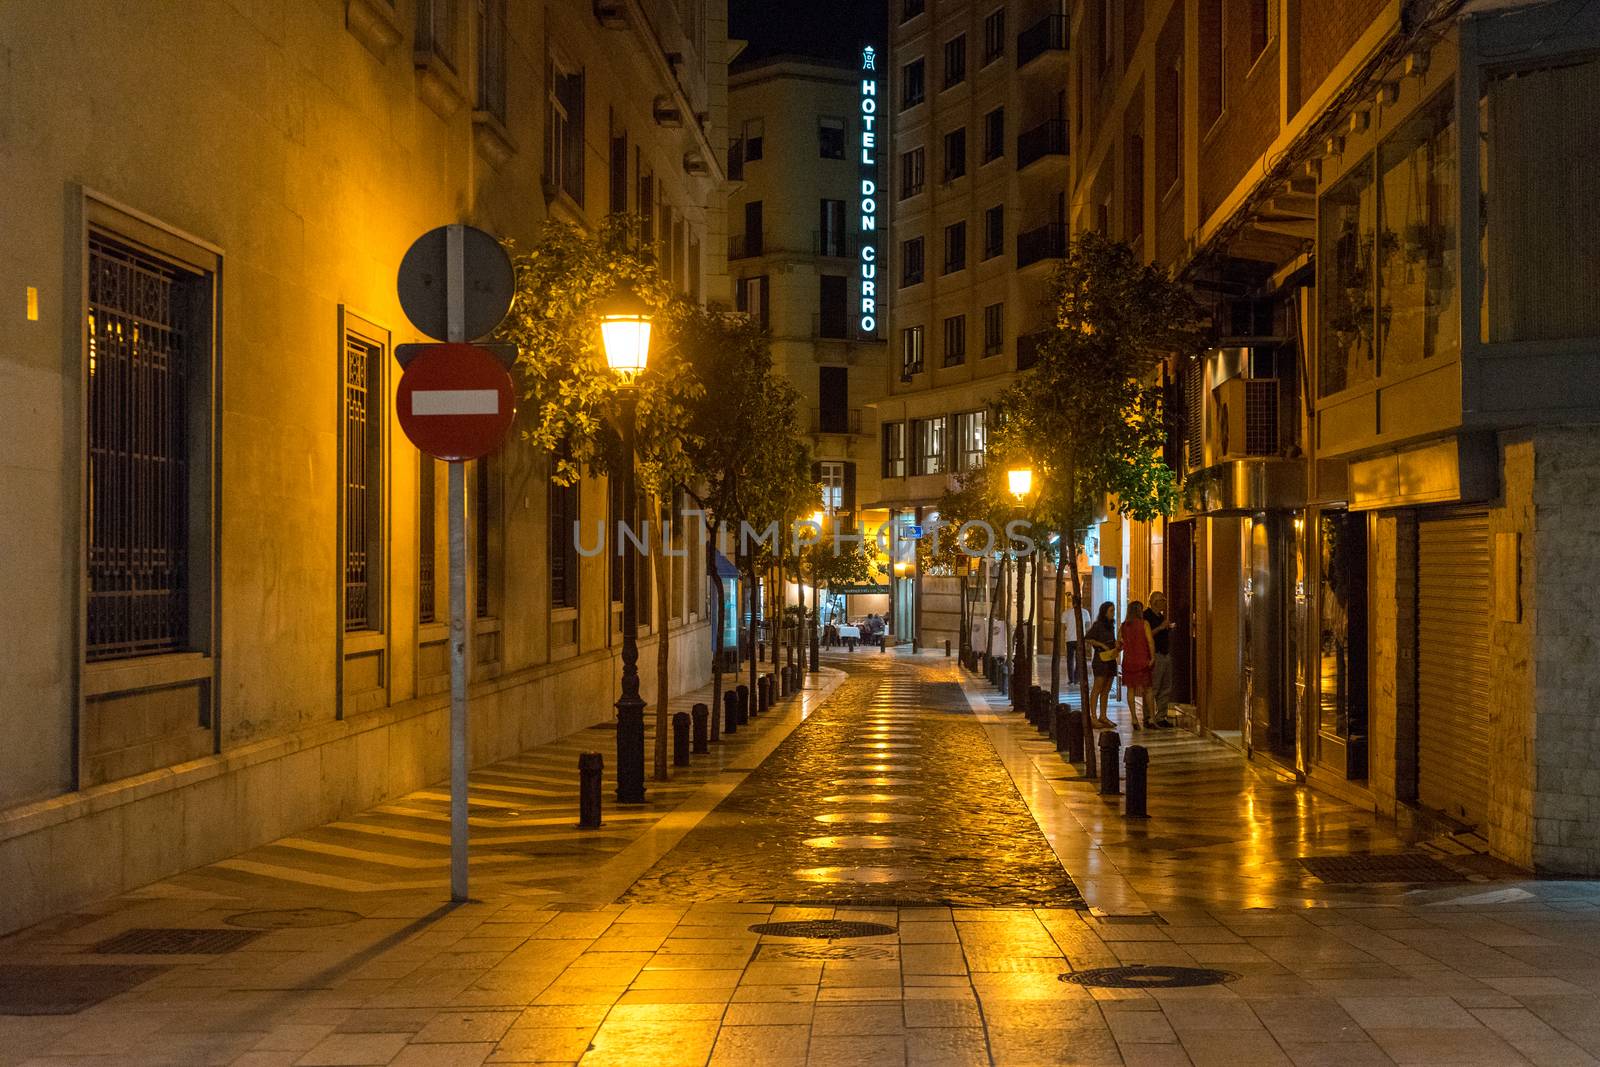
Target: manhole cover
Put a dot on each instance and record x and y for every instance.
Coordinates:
(1365, 868)
(52, 989)
(175, 942)
(822, 929)
(291, 918)
(1155, 976)
(858, 875)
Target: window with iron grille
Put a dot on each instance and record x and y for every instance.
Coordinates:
(994, 325)
(911, 351)
(427, 539)
(145, 344)
(485, 514)
(955, 61)
(436, 30)
(363, 483)
(1193, 416)
(955, 340)
(564, 132)
(912, 172)
(492, 58)
(994, 35)
(564, 501)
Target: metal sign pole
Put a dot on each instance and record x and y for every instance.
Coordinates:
(455, 269)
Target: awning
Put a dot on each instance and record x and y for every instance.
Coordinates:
(725, 569)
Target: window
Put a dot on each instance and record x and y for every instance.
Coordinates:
(752, 299)
(910, 9)
(833, 319)
(972, 438)
(436, 30)
(928, 445)
(910, 351)
(1212, 63)
(1169, 128)
(149, 408)
(955, 247)
(833, 399)
(1419, 310)
(564, 511)
(994, 231)
(830, 138)
(619, 173)
(894, 450)
(955, 340)
(1133, 188)
(994, 327)
(994, 35)
(485, 517)
(831, 474)
(830, 228)
(427, 538)
(913, 86)
(564, 132)
(754, 134)
(910, 262)
(754, 225)
(362, 492)
(1345, 286)
(1263, 26)
(955, 61)
(994, 135)
(492, 58)
(647, 202)
(955, 154)
(911, 172)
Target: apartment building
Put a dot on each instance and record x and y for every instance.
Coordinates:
(805, 211)
(979, 219)
(1388, 456)
(227, 576)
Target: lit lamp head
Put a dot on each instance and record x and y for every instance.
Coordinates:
(819, 517)
(625, 330)
(1020, 480)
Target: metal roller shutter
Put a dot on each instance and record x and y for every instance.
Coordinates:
(1453, 603)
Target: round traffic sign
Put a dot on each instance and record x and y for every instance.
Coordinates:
(455, 402)
(488, 282)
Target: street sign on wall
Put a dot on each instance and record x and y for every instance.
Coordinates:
(455, 402)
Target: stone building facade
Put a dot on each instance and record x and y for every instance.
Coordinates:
(230, 625)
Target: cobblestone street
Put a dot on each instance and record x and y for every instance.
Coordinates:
(888, 794)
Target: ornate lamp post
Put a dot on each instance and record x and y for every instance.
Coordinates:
(1020, 482)
(625, 331)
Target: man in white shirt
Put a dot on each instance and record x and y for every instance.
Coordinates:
(1073, 624)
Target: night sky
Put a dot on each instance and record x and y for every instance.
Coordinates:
(825, 29)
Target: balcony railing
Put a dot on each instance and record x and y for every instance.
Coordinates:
(835, 245)
(1049, 34)
(1049, 138)
(745, 245)
(1045, 242)
(836, 420)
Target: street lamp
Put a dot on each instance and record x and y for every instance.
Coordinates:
(625, 332)
(820, 518)
(1020, 481)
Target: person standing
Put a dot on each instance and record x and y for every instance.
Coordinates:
(1138, 660)
(1161, 666)
(1073, 623)
(1102, 641)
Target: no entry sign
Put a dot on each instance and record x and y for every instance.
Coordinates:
(455, 402)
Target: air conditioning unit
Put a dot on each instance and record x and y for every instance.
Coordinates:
(1245, 419)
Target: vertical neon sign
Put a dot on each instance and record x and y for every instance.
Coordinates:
(868, 261)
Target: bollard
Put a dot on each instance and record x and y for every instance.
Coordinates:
(744, 704)
(591, 766)
(702, 726)
(947, 648)
(1036, 697)
(1005, 677)
(1110, 741)
(1048, 716)
(883, 643)
(763, 694)
(730, 712)
(680, 739)
(1074, 735)
(1064, 716)
(1030, 704)
(1138, 760)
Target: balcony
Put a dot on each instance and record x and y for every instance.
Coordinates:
(836, 421)
(1042, 243)
(832, 327)
(835, 245)
(745, 246)
(1049, 138)
(1048, 35)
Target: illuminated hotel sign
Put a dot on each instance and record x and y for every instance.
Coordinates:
(868, 261)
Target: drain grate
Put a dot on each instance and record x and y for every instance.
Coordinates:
(175, 942)
(1365, 868)
(291, 918)
(834, 953)
(1155, 976)
(53, 989)
(822, 929)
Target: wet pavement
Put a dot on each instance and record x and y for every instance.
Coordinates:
(890, 793)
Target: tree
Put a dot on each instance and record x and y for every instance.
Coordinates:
(1086, 413)
(973, 498)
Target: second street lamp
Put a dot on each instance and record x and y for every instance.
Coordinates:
(625, 331)
(1020, 482)
(820, 518)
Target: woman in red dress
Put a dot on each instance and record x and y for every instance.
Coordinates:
(1138, 661)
